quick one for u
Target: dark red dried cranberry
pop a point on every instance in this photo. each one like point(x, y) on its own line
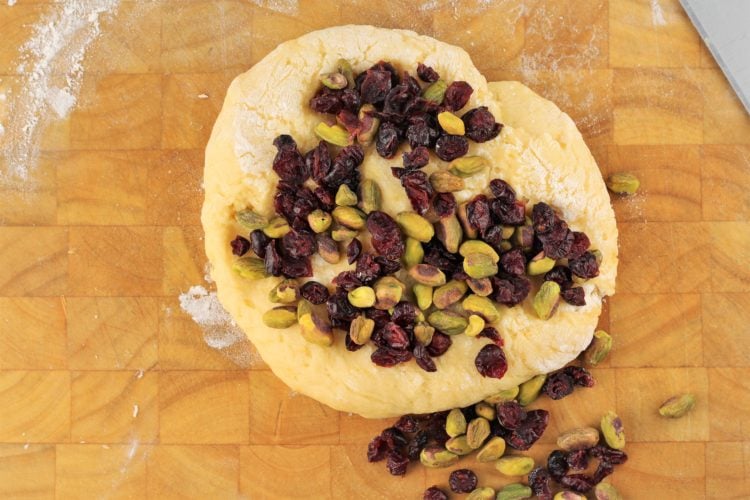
point(434, 493)
point(296, 267)
point(326, 100)
point(326, 198)
point(607, 454)
point(375, 86)
point(437, 255)
point(386, 235)
point(396, 463)
point(314, 292)
point(539, 481)
point(406, 423)
point(340, 309)
point(444, 204)
point(580, 483)
point(240, 246)
point(462, 481)
point(394, 438)
point(557, 243)
point(512, 214)
point(510, 290)
point(580, 244)
point(450, 147)
point(385, 357)
point(344, 169)
point(578, 459)
point(404, 313)
point(416, 158)
point(478, 213)
point(513, 261)
point(367, 270)
point(585, 266)
point(557, 464)
point(272, 259)
point(423, 358)
point(529, 431)
point(386, 141)
point(347, 280)
point(418, 190)
point(395, 337)
point(543, 218)
point(502, 191)
point(426, 73)
point(258, 242)
point(415, 445)
point(558, 385)
point(560, 275)
point(387, 266)
point(349, 120)
point(350, 345)
point(581, 376)
point(575, 296)
point(353, 249)
point(490, 332)
point(350, 100)
point(422, 131)
point(457, 95)
point(603, 470)
point(379, 316)
point(480, 124)
point(298, 243)
point(439, 344)
point(490, 361)
point(493, 236)
point(377, 449)
point(510, 414)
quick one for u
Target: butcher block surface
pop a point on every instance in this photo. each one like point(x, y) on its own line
point(109, 390)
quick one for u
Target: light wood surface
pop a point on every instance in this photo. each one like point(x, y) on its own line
point(95, 251)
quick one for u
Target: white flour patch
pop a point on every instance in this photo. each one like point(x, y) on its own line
point(11, 3)
point(657, 14)
point(288, 7)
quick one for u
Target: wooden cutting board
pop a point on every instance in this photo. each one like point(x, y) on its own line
point(108, 390)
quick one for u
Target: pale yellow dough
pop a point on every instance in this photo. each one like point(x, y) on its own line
point(539, 152)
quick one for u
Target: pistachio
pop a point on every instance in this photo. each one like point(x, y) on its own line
point(546, 299)
point(415, 226)
point(568, 495)
point(502, 396)
point(286, 292)
point(478, 246)
point(360, 329)
point(523, 237)
point(605, 491)
point(505, 245)
point(315, 326)
point(423, 294)
point(276, 228)
point(370, 195)
point(481, 286)
point(448, 322)
point(435, 92)
point(597, 255)
point(369, 124)
point(515, 465)
point(578, 439)
point(250, 220)
point(455, 423)
point(350, 217)
point(492, 450)
point(467, 166)
point(413, 253)
point(341, 233)
point(362, 297)
point(515, 491)
point(423, 333)
point(280, 317)
point(335, 134)
point(345, 196)
point(345, 68)
point(485, 410)
point(427, 275)
point(479, 265)
point(613, 430)
point(250, 267)
point(475, 326)
point(458, 445)
point(474, 304)
point(598, 349)
point(623, 183)
point(451, 124)
point(677, 406)
point(477, 432)
point(319, 220)
point(335, 80)
point(388, 291)
point(434, 457)
point(448, 294)
point(469, 230)
point(485, 493)
point(529, 390)
point(448, 231)
point(539, 264)
point(445, 182)
point(327, 248)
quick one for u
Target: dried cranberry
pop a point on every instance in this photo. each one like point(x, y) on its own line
point(418, 190)
point(272, 259)
point(349, 120)
point(422, 131)
point(367, 270)
point(350, 345)
point(557, 464)
point(426, 73)
point(379, 316)
point(543, 218)
point(581, 376)
point(340, 309)
point(386, 141)
point(326, 198)
point(510, 290)
point(513, 261)
point(584, 266)
point(439, 344)
point(580, 483)
point(457, 95)
point(396, 463)
point(314, 292)
point(387, 266)
point(415, 445)
point(558, 385)
point(480, 124)
point(510, 414)
point(575, 296)
point(386, 235)
point(416, 158)
point(557, 243)
point(444, 204)
point(539, 481)
point(512, 214)
point(326, 100)
point(385, 357)
point(603, 470)
point(502, 191)
point(240, 246)
point(493, 236)
point(478, 213)
point(462, 481)
point(560, 275)
point(405, 313)
point(298, 243)
point(606, 454)
point(296, 267)
point(490, 332)
point(375, 86)
point(350, 100)
point(580, 244)
point(423, 358)
point(578, 459)
point(395, 337)
point(394, 438)
point(377, 449)
point(344, 169)
point(450, 147)
point(347, 280)
point(406, 423)
point(258, 242)
point(437, 255)
point(490, 361)
point(434, 493)
point(529, 431)
point(353, 249)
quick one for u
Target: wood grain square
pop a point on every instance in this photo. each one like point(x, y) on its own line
point(30, 201)
point(93, 471)
point(175, 191)
point(123, 260)
point(725, 120)
point(670, 182)
point(658, 330)
point(657, 33)
point(726, 182)
point(33, 261)
point(730, 252)
point(352, 476)
point(726, 329)
point(191, 104)
point(661, 257)
point(210, 35)
point(657, 106)
point(640, 393)
point(730, 403)
point(184, 258)
point(306, 472)
point(358, 430)
point(105, 188)
point(32, 334)
point(17, 25)
point(199, 472)
point(121, 112)
point(114, 407)
point(663, 470)
point(27, 472)
point(36, 406)
point(279, 416)
point(203, 407)
point(726, 471)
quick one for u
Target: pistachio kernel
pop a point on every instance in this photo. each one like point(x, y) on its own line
point(362, 297)
point(455, 423)
point(481, 287)
point(523, 237)
point(448, 231)
point(479, 265)
point(599, 348)
point(345, 68)
point(477, 432)
point(597, 255)
point(415, 226)
point(448, 322)
point(327, 248)
point(546, 300)
point(451, 124)
point(286, 292)
point(280, 317)
point(370, 196)
point(613, 430)
point(250, 267)
point(475, 304)
point(388, 291)
point(360, 329)
point(458, 445)
point(578, 439)
point(469, 230)
point(475, 326)
point(445, 182)
point(335, 80)
point(515, 465)
point(677, 406)
point(467, 166)
point(315, 327)
point(423, 332)
point(484, 493)
point(492, 450)
point(250, 220)
point(448, 294)
point(623, 183)
point(435, 92)
point(515, 491)
point(434, 457)
point(427, 274)
point(413, 253)
point(334, 134)
point(568, 495)
point(276, 228)
point(341, 233)
point(502, 396)
point(485, 410)
point(478, 246)
point(350, 217)
point(505, 245)
point(423, 294)
point(605, 491)
point(319, 220)
point(539, 264)
point(369, 124)
point(345, 196)
point(529, 390)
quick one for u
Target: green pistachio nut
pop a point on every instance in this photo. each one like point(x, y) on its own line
point(546, 300)
point(613, 430)
point(445, 182)
point(315, 326)
point(492, 450)
point(523, 237)
point(413, 253)
point(479, 265)
point(350, 217)
point(451, 123)
point(502, 396)
point(515, 465)
point(369, 125)
point(455, 423)
point(388, 292)
point(427, 274)
point(475, 326)
point(475, 304)
point(448, 322)
point(515, 491)
point(342, 233)
point(469, 230)
point(335, 80)
point(623, 183)
point(423, 333)
point(423, 294)
point(481, 287)
point(485, 493)
point(319, 220)
point(677, 406)
point(529, 390)
point(435, 92)
point(345, 68)
point(276, 228)
point(250, 267)
point(478, 246)
point(328, 248)
point(458, 445)
point(362, 297)
point(334, 134)
point(568, 495)
point(599, 348)
point(345, 196)
point(485, 410)
point(250, 220)
point(467, 166)
point(477, 432)
point(370, 196)
point(449, 294)
point(539, 264)
point(605, 491)
point(597, 255)
point(578, 439)
point(448, 231)
point(436, 457)
point(280, 317)
point(286, 292)
point(360, 329)
point(415, 226)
